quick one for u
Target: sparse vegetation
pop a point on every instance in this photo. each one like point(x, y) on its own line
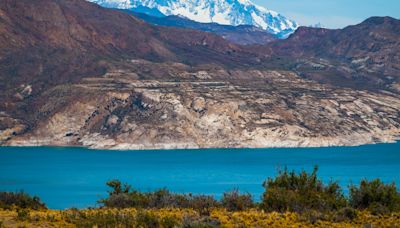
point(376, 196)
point(130, 198)
point(234, 201)
point(290, 199)
point(20, 200)
point(22, 214)
point(301, 192)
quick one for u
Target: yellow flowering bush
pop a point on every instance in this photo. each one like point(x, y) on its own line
point(174, 217)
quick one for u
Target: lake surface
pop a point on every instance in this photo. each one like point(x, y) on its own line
point(75, 177)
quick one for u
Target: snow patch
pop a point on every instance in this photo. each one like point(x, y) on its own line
point(227, 12)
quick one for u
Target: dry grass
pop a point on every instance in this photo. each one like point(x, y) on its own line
point(183, 217)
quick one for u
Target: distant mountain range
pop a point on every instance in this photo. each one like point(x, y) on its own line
point(224, 12)
point(75, 73)
point(241, 34)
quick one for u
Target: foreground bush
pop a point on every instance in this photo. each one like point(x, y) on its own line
point(290, 191)
point(129, 198)
point(290, 200)
point(152, 218)
point(376, 196)
point(20, 200)
point(234, 201)
point(301, 192)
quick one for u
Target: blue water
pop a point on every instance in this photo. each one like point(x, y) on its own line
point(75, 177)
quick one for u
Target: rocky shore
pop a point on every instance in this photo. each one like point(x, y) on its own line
point(252, 109)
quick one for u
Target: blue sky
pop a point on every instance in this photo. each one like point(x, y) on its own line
point(332, 13)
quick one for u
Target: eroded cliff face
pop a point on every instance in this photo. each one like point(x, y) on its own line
point(190, 107)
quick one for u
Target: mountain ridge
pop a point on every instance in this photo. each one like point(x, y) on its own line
point(226, 12)
point(241, 34)
point(367, 53)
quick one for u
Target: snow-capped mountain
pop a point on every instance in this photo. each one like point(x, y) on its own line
point(225, 12)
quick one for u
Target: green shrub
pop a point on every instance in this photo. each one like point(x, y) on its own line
point(129, 198)
point(163, 198)
point(202, 203)
point(200, 222)
point(378, 209)
point(21, 200)
point(234, 201)
point(313, 216)
point(147, 219)
point(345, 214)
point(289, 191)
point(117, 187)
point(294, 192)
point(23, 214)
point(376, 196)
point(99, 219)
point(126, 200)
point(170, 222)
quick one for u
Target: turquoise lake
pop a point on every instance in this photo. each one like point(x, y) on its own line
point(75, 177)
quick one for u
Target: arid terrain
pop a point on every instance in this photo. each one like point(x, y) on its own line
point(75, 74)
point(202, 109)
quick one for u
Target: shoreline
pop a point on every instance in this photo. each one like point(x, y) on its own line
point(169, 148)
point(104, 142)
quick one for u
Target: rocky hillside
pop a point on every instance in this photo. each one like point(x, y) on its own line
point(73, 73)
point(360, 56)
point(48, 42)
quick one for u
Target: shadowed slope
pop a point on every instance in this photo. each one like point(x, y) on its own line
point(53, 41)
point(363, 56)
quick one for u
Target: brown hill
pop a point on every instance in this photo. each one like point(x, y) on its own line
point(363, 56)
point(47, 42)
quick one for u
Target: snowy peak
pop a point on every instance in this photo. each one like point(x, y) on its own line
point(225, 12)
